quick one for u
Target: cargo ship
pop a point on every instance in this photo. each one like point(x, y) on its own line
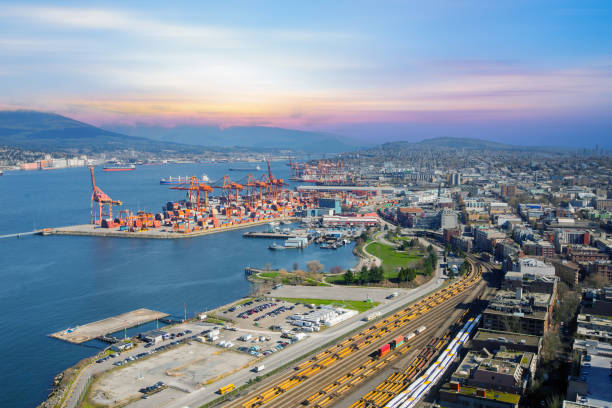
point(183, 180)
point(256, 168)
point(119, 167)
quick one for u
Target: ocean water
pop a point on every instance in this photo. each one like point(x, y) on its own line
point(51, 283)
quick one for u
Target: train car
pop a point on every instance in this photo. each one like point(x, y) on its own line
point(384, 349)
point(398, 341)
point(420, 330)
point(227, 388)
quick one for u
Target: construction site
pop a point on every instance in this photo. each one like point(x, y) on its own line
point(226, 204)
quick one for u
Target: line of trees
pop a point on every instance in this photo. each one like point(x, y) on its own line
point(365, 275)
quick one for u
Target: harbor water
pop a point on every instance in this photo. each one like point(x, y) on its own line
point(52, 283)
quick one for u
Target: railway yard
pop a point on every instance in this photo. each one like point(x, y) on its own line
point(326, 378)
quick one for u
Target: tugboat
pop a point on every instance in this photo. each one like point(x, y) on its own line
point(276, 247)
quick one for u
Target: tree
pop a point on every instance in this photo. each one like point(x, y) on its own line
point(349, 276)
point(363, 275)
point(428, 270)
point(314, 266)
point(551, 344)
point(336, 270)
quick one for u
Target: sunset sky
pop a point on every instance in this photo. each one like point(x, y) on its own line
point(530, 72)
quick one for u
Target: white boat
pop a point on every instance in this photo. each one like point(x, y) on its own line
point(276, 247)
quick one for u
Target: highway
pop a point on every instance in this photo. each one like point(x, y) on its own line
point(350, 359)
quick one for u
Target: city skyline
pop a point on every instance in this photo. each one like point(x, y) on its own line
point(515, 72)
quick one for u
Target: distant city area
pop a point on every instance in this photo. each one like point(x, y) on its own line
point(490, 267)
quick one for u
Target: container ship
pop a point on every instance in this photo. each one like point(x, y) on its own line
point(183, 180)
point(119, 167)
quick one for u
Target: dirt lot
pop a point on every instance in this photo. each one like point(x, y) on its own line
point(185, 368)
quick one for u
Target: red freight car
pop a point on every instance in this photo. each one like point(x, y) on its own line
point(384, 349)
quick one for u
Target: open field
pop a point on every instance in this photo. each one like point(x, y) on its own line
point(392, 259)
point(360, 306)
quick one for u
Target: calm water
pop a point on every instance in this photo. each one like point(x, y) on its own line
point(51, 283)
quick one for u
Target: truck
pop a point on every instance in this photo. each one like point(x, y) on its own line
point(259, 368)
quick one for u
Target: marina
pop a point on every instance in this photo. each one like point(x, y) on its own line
point(89, 331)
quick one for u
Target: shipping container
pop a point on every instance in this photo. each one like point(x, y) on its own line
point(384, 349)
point(398, 341)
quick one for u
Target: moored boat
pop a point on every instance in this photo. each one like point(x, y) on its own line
point(119, 167)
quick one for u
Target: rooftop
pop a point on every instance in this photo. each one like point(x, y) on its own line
point(507, 337)
point(490, 394)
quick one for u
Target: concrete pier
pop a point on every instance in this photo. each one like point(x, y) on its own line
point(81, 334)
point(152, 233)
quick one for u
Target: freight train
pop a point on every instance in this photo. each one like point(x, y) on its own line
point(398, 341)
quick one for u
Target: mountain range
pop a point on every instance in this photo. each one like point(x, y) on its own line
point(42, 131)
point(244, 136)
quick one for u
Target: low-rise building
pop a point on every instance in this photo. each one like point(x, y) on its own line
point(583, 253)
point(483, 379)
point(494, 340)
point(591, 386)
point(518, 312)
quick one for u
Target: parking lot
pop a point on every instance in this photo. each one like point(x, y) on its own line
point(263, 314)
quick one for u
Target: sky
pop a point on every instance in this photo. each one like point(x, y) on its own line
point(532, 72)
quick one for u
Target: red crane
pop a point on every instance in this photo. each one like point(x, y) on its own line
point(105, 203)
point(193, 189)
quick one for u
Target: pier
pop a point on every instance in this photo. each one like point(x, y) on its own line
point(101, 328)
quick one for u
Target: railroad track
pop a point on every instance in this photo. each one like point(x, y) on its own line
point(338, 381)
point(398, 380)
point(354, 351)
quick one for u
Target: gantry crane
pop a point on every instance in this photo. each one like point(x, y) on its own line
point(193, 188)
point(105, 203)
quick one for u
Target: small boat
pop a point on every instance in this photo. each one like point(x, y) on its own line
point(256, 168)
point(276, 247)
point(183, 180)
point(119, 167)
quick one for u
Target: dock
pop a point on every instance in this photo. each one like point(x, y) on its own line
point(101, 328)
point(275, 235)
point(90, 230)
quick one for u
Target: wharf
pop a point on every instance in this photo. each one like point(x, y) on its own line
point(276, 235)
point(153, 233)
point(103, 327)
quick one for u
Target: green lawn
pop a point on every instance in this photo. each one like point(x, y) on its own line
point(391, 258)
point(268, 275)
point(360, 306)
point(335, 279)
